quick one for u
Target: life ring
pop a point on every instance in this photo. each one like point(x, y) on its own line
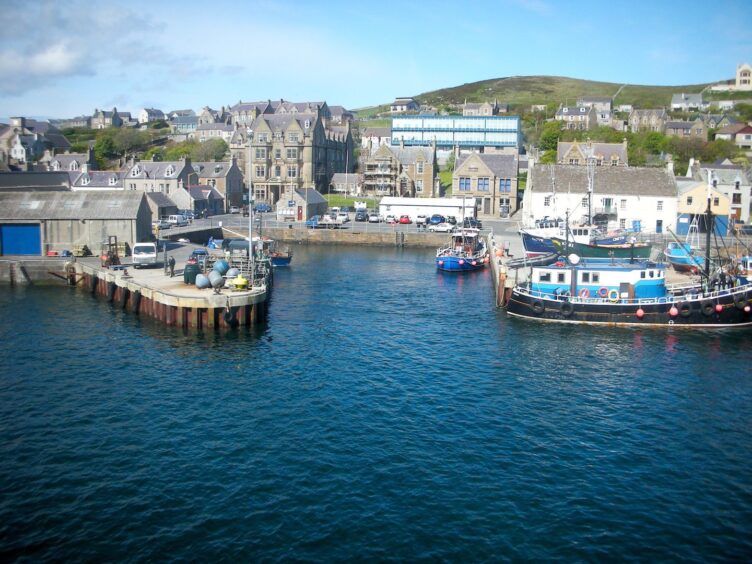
point(566, 309)
point(613, 296)
point(740, 302)
point(602, 292)
point(584, 293)
point(707, 308)
point(538, 307)
point(685, 310)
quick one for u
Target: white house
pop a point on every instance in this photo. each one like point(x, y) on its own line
point(623, 197)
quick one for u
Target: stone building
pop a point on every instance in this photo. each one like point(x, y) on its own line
point(490, 179)
point(226, 177)
point(603, 154)
point(401, 171)
point(648, 120)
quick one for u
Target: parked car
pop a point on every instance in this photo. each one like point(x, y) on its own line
point(361, 216)
point(160, 224)
point(405, 220)
point(442, 228)
point(234, 209)
point(472, 222)
point(421, 220)
point(390, 219)
point(374, 218)
point(343, 216)
point(262, 207)
point(451, 219)
point(187, 214)
point(436, 218)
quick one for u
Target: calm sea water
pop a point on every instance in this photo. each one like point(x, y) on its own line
point(384, 411)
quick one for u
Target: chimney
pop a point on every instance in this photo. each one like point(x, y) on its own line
point(402, 142)
point(670, 164)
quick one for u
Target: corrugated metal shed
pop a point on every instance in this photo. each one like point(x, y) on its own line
point(36, 206)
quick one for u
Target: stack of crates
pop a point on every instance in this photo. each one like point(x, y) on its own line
point(81, 251)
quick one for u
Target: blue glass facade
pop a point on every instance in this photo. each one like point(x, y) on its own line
point(462, 131)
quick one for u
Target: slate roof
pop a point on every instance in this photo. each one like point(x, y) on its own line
point(686, 99)
point(572, 110)
point(215, 126)
point(185, 120)
point(182, 113)
point(725, 175)
point(283, 121)
point(377, 132)
point(409, 155)
point(732, 129)
point(160, 199)
point(310, 196)
point(212, 170)
point(10, 181)
point(110, 204)
point(502, 166)
point(97, 179)
point(593, 148)
point(345, 178)
point(619, 180)
point(155, 169)
point(679, 124)
point(66, 159)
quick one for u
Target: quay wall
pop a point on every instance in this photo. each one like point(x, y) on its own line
point(33, 270)
point(348, 237)
point(208, 311)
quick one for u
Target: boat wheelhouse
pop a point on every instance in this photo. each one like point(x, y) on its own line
point(465, 252)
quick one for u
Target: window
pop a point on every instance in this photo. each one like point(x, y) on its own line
point(464, 184)
point(586, 277)
point(292, 171)
point(736, 199)
point(307, 124)
point(262, 137)
point(715, 201)
point(260, 171)
point(560, 277)
point(483, 184)
point(622, 224)
point(584, 202)
point(293, 137)
point(277, 171)
point(292, 153)
point(623, 204)
point(261, 153)
point(85, 180)
point(113, 180)
point(505, 185)
point(545, 277)
point(419, 167)
point(596, 278)
point(277, 153)
point(278, 135)
point(659, 206)
point(547, 201)
point(689, 200)
point(169, 171)
point(574, 161)
point(419, 186)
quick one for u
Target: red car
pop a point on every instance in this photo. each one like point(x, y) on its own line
point(405, 219)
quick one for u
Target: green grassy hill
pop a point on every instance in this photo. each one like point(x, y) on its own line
point(521, 91)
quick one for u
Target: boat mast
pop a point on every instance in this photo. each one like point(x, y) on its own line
point(590, 182)
point(709, 226)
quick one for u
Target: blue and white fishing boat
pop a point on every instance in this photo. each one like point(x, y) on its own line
point(466, 251)
point(683, 256)
point(540, 240)
point(623, 293)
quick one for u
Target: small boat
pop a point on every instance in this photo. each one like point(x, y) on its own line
point(628, 293)
point(682, 257)
point(603, 251)
point(466, 251)
point(279, 256)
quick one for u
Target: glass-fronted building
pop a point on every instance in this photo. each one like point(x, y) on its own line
point(465, 132)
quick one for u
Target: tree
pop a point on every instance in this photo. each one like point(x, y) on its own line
point(550, 136)
point(450, 162)
point(211, 150)
point(180, 150)
point(744, 111)
point(104, 148)
point(127, 140)
point(548, 157)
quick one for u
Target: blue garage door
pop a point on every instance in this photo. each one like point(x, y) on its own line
point(20, 239)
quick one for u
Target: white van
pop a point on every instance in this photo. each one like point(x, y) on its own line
point(177, 220)
point(145, 254)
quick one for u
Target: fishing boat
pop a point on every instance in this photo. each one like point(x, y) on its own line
point(615, 292)
point(465, 252)
point(279, 256)
point(632, 250)
point(628, 293)
point(539, 240)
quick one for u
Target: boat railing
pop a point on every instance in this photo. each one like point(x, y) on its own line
point(676, 298)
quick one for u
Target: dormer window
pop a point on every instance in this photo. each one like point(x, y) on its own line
point(74, 165)
point(217, 169)
point(307, 124)
point(55, 165)
point(113, 180)
point(85, 180)
point(136, 171)
point(170, 170)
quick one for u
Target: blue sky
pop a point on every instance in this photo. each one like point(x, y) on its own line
point(61, 59)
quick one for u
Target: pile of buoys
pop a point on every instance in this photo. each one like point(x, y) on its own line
point(202, 281)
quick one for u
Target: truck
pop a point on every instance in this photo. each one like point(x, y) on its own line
point(145, 254)
point(325, 221)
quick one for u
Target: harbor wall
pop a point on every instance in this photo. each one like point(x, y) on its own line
point(293, 234)
point(19, 272)
point(211, 311)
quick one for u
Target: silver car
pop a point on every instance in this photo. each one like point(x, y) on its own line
point(442, 228)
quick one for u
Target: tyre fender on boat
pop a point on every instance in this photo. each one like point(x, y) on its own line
point(538, 306)
point(740, 301)
point(707, 308)
point(685, 310)
point(566, 309)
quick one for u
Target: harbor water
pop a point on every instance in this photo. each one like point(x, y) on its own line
point(384, 411)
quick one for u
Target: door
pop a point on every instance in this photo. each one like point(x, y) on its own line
point(300, 213)
point(487, 206)
point(659, 226)
point(20, 239)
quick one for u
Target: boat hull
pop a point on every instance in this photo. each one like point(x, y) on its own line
point(457, 264)
point(735, 310)
point(281, 259)
point(535, 245)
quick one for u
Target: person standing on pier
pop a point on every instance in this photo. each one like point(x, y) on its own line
point(171, 264)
